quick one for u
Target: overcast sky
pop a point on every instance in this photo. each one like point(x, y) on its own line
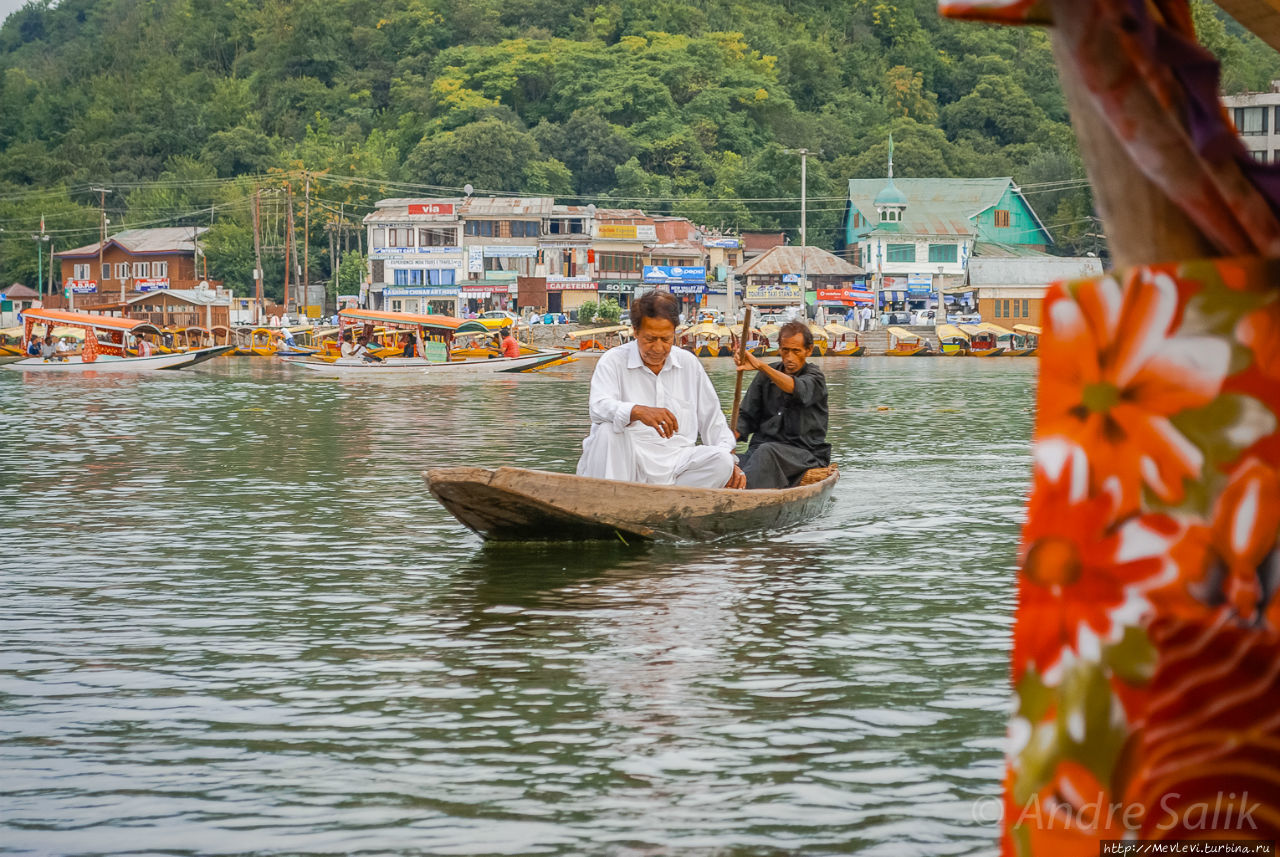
point(7, 6)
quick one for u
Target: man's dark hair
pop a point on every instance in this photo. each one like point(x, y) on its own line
point(506, 331)
point(796, 328)
point(655, 304)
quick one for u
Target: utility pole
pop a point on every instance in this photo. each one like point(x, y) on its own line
point(306, 244)
point(257, 256)
point(288, 241)
point(102, 237)
point(804, 209)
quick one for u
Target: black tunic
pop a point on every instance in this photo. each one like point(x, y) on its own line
point(788, 430)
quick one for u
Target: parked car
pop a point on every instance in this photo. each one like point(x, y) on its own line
point(509, 317)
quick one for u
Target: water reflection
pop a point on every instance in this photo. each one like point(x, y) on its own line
point(237, 623)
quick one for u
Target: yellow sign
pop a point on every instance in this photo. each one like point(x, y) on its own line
point(617, 230)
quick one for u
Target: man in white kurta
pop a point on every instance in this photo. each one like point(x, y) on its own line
point(621, 447)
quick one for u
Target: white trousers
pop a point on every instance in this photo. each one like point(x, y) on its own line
point(629, 456)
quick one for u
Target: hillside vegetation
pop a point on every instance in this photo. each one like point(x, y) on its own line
point(181, 107)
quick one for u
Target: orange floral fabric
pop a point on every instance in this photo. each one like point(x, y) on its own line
point(1146, 655)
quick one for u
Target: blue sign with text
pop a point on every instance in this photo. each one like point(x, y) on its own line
point(675, 274)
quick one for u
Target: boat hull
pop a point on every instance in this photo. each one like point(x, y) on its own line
point(515, 504)
point(914, 351)
point(416, 366)
point(105, 363)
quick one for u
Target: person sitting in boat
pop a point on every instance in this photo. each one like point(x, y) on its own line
point(143, 346)
point(510, 348)
point(348, 348)
point(48, 351)
point(407, 341)
point(63, 348)
point(784, 413)
point(650, 403)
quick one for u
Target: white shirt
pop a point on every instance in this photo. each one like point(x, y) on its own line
point(621, 381)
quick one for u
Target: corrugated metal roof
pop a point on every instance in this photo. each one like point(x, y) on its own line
point(1031, 272)
point(507, 206)
point(166, 239)
point(934, 206)
point(188, 295)
point(815, 261)
point(996, 250)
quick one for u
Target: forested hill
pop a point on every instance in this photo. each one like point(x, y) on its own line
point(683, 107)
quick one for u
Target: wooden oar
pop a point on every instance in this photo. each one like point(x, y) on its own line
point(737, 386)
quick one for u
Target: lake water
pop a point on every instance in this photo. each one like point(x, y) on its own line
point(234, 621)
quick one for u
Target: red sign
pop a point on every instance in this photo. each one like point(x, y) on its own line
point(431, 208)
point(571, 285)
point(846, 295)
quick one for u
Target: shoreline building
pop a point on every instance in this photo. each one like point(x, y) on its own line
point(774, 279)
point(130, 263)
point(416, 259)
point(1256, 116)
point(916, 236)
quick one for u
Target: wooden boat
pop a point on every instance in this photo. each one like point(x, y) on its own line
point(844, 341)
point(821, 342)
point(434, 336)
point(515, 504)
point(1030, 336)
point(952, 341)
point(904, 343)
point(601, 339)
point(11, 342)
point(105, 346)
point(982, 340)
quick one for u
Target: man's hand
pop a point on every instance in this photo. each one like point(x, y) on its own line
point(747, 361)
point(660, 419)
point(738, 479)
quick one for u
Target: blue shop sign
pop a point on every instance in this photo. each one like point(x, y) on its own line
point(419, 292)
point(687, 288)
point(675, 274)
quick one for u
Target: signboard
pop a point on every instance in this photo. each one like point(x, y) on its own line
point(919, 284)
point(627, 232)
point(389, 253)
point(423, 264)
point(475, 259)
point(774, 293)
point(616, 287)
point(82, 287)
point(687, 288)
point(434, 351)
point(730, 243)
point(513, 251)
point(571, 284)
point(420, 292)
point(478, 290)
point(151, 284)
point(846, 295)
point(431, 208)
point(674, 274)
point(790, 278)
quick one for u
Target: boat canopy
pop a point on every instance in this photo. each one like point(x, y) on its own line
point(770, 330)
point(818, 332)
point(599, 331)
point(950, 331)
point(706, 328)
point(974, 329)
point(80, 319)
point(1028, 329)
point(147, 327)
point(989, 327)
point(409, 319)
point(12, 331)
point(903, 333)
point(836, 329)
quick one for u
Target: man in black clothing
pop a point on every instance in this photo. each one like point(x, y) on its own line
point(784, 413)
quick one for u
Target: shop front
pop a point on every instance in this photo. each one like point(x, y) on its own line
point(620, 291)
point(427, 300)
point(908, 299)
point(479, 296)
point(566, 294)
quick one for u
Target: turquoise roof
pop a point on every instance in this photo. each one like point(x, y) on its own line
point(891, 195)
point(951, 207)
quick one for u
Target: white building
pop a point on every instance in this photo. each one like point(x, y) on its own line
point(1257, 119)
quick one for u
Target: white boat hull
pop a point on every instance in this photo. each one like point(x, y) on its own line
point(105, 363)
point(419, 366)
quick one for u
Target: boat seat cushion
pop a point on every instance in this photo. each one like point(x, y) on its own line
point(816, 474)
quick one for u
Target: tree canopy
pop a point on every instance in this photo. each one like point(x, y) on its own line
point(181, 107)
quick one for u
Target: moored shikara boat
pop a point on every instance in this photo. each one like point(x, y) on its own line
point(952, 341)
point(105, 347)
point(904, 343)
point(844, 341)
point(982, 340)
point(1030, 335)
point(515, 504)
